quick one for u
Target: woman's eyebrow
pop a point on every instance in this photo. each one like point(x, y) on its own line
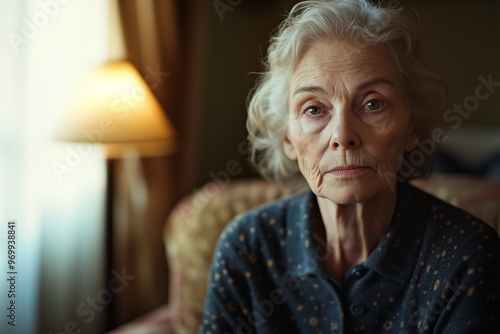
point(315, 89)
point(371, 82)
point(375, 81)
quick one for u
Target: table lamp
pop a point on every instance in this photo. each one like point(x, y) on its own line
point(114, 106)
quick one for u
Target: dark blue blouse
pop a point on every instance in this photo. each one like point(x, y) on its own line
point(436, 270)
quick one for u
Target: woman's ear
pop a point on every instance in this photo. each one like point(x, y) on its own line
point(289, 149)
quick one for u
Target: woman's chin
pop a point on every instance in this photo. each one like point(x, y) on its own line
point(343, 197)
point(346, 193)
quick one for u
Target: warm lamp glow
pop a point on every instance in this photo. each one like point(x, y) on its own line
point(113, 105)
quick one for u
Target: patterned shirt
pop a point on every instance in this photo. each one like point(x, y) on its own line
point(435, 270)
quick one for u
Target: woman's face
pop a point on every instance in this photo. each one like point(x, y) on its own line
point(348, 121)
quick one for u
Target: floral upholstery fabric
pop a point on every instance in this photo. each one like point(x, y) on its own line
point(191, 233)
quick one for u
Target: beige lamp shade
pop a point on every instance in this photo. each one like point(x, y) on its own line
point(114, 106)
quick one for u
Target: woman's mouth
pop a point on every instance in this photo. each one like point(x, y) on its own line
point(348, 171)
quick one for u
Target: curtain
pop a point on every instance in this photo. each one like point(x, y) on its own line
point(46, 47)
point(171, 36)
point(152, 45)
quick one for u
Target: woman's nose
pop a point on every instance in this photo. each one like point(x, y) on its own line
point(345, 135)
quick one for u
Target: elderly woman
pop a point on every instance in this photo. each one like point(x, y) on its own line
point(343, 105)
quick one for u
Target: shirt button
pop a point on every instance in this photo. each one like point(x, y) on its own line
point(358, 272)
point(356, 309)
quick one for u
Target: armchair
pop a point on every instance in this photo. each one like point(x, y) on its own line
point(193, 227)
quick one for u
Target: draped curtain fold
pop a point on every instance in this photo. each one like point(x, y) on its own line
point(152, 38)
point(60, 221)
point(53, 190)
point(170, 38)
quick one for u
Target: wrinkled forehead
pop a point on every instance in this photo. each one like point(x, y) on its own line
point(329, 61)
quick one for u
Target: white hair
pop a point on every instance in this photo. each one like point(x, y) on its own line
point(346, 20)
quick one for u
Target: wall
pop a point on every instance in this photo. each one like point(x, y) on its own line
point(462, 43)
point(237, 41)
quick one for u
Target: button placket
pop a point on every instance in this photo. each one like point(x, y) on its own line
point(358, 272)
point(356, 309)
point(354, 275)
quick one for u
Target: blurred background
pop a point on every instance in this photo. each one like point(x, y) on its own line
point(90, 213)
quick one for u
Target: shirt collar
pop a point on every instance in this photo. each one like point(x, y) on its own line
point(395, 255)
point(302, 246)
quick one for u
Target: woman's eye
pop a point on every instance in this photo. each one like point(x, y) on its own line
point(313, 110)
point(373, 105)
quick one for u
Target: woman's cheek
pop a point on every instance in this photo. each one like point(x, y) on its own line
point(309, 167)
point(311, 126)
point(394, 150)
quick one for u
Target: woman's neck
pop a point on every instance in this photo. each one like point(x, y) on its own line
point(352, 231)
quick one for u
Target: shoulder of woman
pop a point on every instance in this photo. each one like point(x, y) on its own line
point(258, 225)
